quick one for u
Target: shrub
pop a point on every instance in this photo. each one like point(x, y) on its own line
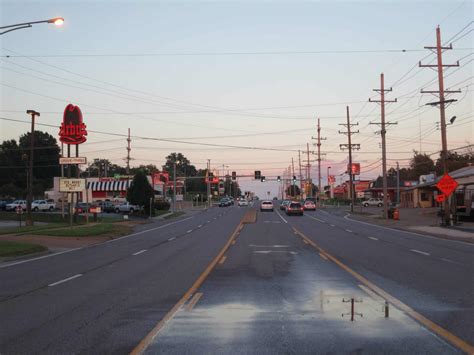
point(162, 205)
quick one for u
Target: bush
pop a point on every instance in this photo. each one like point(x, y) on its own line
point(162, 205)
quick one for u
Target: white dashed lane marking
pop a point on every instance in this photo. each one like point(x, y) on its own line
point(373, 238)
point(419, 252)
point(139, 252)
point(65, 280)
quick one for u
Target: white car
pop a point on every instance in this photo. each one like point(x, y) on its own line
point(243, 203)
point(127, 208)
point(12, 206)
point(266, 205)
point(373, 202)
point(43, 205)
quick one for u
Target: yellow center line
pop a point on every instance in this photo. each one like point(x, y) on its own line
point(233, 242)
point(194, 300)
point(323, 256)
point(447, 335)
point(145, 342)
point(223, 259)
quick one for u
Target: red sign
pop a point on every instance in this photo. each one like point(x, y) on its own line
point(447, 185)
point(440, 198)
point(354, 168)
point(159, 178)
point(72, 130)
point(331, 179)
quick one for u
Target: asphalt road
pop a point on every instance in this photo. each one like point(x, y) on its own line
point(105, 298)
point(272, 292)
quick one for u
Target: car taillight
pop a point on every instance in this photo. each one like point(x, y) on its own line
point(301, 208)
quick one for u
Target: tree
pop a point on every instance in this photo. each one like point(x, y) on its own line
point(183, 165)
point(140, 191)
point(420, 164)
point(148, 169)
point(454, 161)
point(103, 168)
point(293, 190)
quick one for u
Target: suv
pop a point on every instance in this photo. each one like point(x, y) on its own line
point(373, 202)
point(17, 203)
point(43, 205)
point(294, 207)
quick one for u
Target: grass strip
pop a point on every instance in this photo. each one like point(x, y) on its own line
point(9, 248)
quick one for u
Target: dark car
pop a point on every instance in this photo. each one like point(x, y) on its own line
point(294, 208)
point(283, 204)
point(4, 203)
point(82, 207)
point(225, 202)
point(107, 206)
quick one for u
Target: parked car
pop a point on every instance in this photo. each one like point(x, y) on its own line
point(373, 202)
point(266, 205)
point(294, 208)
point(225, 202)
point(127, 207)
point(309, 205)
point(12, 206)
point(43, 205)
point(243, 202)
point(283, 204)
point(83, 207)
point(107, 206)
point(4, 203)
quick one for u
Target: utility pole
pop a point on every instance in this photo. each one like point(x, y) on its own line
point(301, 176)
point(208, 183)
point(383, 132)
point(309, 171)
point(128, 152)
point(174, 186)
point(293, 174)
point(350, 147)
point(398, 184)
point(438, 50)
point(29, 219)
point(319, 139)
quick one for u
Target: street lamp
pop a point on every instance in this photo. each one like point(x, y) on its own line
point(58, 21)
point(331, 194)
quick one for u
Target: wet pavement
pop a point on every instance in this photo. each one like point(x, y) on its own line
point(273, 293)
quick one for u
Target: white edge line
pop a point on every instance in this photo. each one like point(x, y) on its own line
point(407, 232)
point(373, 238)
point(348, 230)
point(140, 252)
point(279, 215)
point(65, 280)
point(171, 239)
point(94, 245)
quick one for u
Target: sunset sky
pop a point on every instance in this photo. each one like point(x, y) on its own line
point(213, 79)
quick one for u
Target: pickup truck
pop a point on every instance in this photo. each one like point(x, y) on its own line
point(43, 205)
point(126, 208)
point(12, 206)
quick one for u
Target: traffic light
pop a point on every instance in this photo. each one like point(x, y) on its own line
point(257, 174)
point(234, 175)
point(278, 178)
point(262, 178)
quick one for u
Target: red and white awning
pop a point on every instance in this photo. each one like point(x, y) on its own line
point(120, 185)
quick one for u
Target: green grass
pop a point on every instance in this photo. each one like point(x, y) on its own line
point(28, 229)
point(53, 217)
point(84, 231)
point(8, 248)
point(174, 215)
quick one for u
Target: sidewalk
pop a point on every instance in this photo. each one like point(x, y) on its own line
point(419, 220)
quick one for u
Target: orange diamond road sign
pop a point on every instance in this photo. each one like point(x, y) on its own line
point(447, 185)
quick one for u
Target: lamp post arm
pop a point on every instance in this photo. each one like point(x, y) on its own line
point(13, 29)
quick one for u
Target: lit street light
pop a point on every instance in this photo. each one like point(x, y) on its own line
point(58, 21)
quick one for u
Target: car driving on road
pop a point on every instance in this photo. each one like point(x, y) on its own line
point(294, 208)
point(243, 202)
point(309, 205)
point(266, 205)
point(283, 204)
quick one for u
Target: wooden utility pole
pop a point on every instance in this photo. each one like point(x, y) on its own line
point(29, 200)
point(438, 50)
point(128, 152)
point(309, 171)
point(350, 147)
point(301, 176)
point(318, 144)
point(383, 132)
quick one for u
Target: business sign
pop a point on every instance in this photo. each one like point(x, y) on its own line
point(72, 160)
point(71, 185)
point(95, 210)
point(354, 168)
point(72, 130)
point(331, 179)
point(447, 185)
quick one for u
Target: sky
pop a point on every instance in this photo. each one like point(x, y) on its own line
point(213, 79)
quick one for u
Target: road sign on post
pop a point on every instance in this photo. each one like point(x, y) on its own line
point(447, 185)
